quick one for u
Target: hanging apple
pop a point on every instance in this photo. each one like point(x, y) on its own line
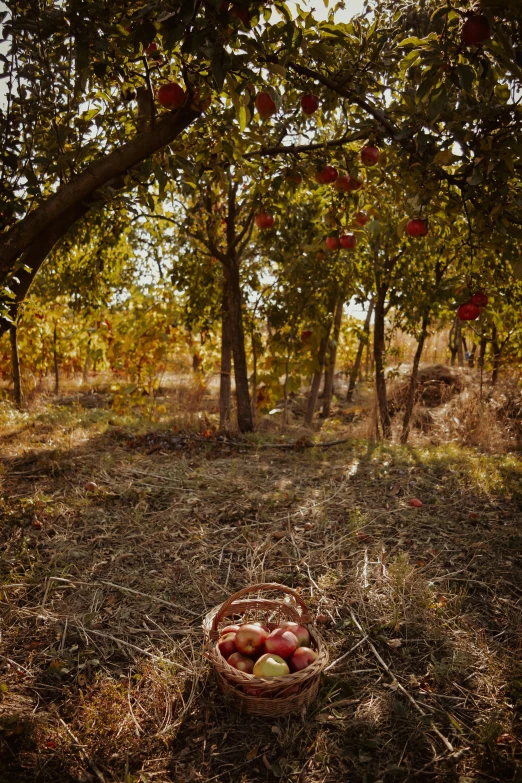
point(327, 175)
point(355, 184)
point(331, 243)
point(151, 48)
point(342, 183)
point(479, 299)
point(475, 30)
point(417, 227)
point(264, 220)
point(370, 155)
point(348, 241)
point(468, 311)
point(361, 218)
point(265, 105)
point(171, 95)
point(240, 13)
point(309, 104)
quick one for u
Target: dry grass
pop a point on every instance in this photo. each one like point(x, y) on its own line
point(101, 671)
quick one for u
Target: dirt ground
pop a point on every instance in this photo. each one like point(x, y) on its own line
point(103, 592)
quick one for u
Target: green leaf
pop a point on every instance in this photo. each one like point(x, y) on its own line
point(466, 76)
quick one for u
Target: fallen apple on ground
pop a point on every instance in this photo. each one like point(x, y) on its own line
point(270, 665)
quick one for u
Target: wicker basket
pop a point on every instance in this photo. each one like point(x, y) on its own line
point(275, 696)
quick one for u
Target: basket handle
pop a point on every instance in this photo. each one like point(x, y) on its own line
point(306, 617)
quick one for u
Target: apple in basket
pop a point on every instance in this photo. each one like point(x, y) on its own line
point(299, 631)
point(302, 658)
point(226, 645)
point(281, 642)
point(229, 629)
point(262, 625)
point(250, 639)
point(270, 666)
point(241, 662)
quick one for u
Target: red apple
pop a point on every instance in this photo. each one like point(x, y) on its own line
point(270, 665)
point(226, 645)
point(417, 227)
point(416, 503)
point(370, 155)
point(327, 175)
point(250, 639)
point(262, 625)
point(309, 103)
point(240, 13)
point(264, 220)
point(479, 299)
point(299, 631)
point(323, 619)
point(348, 241)
point(355, 184)
point(305, 335)
point(281, 642)
point(171, 95)
point(302, 658)
point(475, 30)
point(331, 243)
point(265, 105)
point(252, 691)
point(151, 48)
point(361, 218)
point(468, 311)
point(343, 183)
point(241, 662)
point(90, 486)
point(229, 629)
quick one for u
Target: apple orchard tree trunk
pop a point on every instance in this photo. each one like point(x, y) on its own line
point(55, 359)
point(497, 353)
point(316, 378)
point(330, 370)
point(237, 339)
point(378, 352)
point(363, 340)
point(410, 401)
point(226, 361)
point(15, 360)
point(460, 344)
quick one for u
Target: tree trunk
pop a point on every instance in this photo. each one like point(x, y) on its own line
point(55, 359)
point(87, 365)
point(226, 363)
point(378, 352)
point(363, 340)
point(497, 351)
point(330, 370)
point(17, 380)
point(254, 374)
point(316, 379)
point(237, 335)
point(413, 380)
point(285, 388)
point(460, 346)
point(452, 342)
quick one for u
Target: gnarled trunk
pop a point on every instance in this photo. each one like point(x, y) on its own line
point(330, 370)
point(15, 360)
point(363, 340)
point(237, 338)
point(413, 380)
